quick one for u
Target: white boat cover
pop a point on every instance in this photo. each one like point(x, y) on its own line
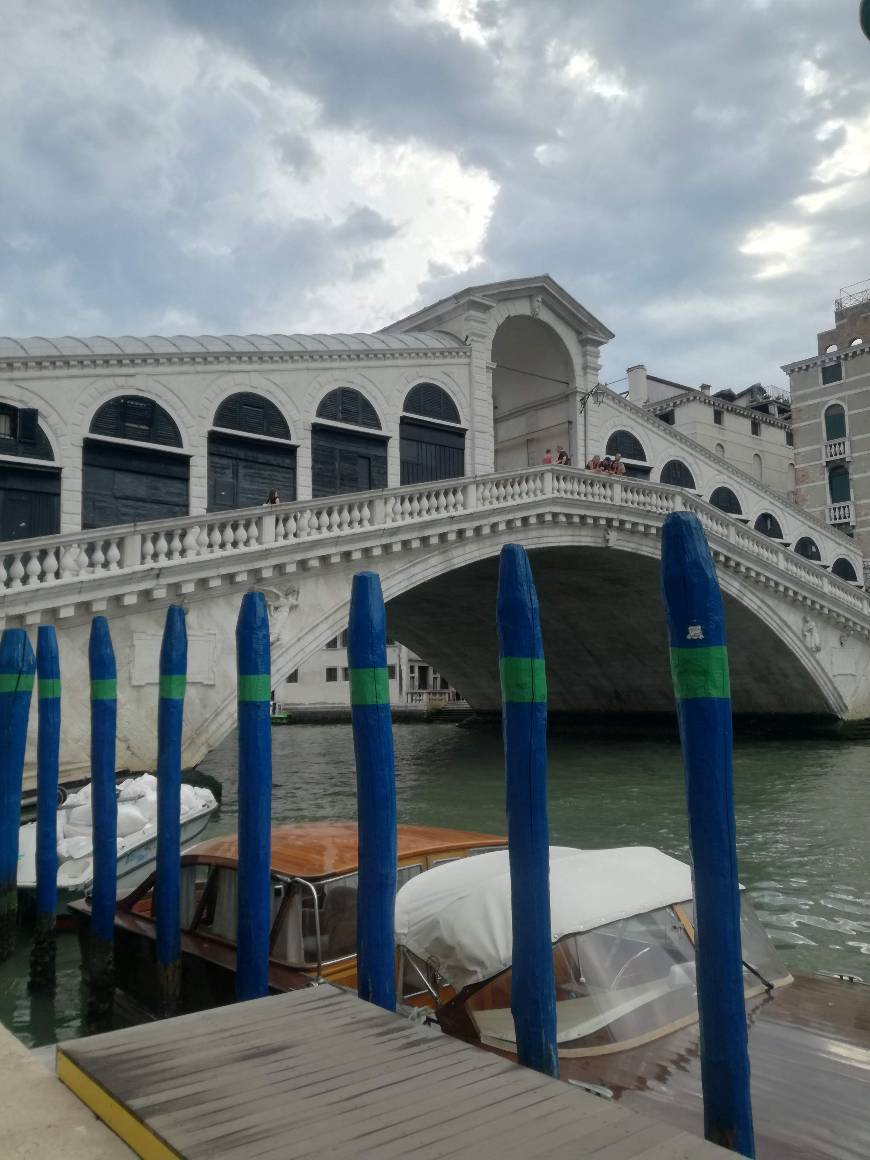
point(137, 827)
point(457, 917)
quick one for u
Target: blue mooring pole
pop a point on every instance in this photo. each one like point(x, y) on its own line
point(254, 665)
point(524, 728)
point(699, 666)
point(17, 664)
point(43, 951)
point(104, 817)
point(170, 714)
point(375, 791)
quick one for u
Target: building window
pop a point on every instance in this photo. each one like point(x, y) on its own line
point(391, 672)
point(768, 525)
point(808, 548)
point(754, 426)
point(293, 679)
point(7, 424)
point(332, 643)
point(726, 501)
point(789, 437)
point(431, 402)
point(838, 482)
point(678, 474)
point(331, 676)
point(347, 405)
point(342, 640)
point(626, 445)
point(667, 417)
point(720, 449)
point(844, 569)
point(758, 468)
point(345, 673)
point(832, 373)
point(835, 422)
point(717, 417)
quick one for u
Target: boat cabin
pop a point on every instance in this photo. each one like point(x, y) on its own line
point(623, 948)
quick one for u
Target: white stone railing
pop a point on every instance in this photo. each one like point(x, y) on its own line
point(67, 564)
point(836, 449)
point(840, 513)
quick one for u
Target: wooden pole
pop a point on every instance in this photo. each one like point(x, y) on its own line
point(17, 664)
point(524, 728)
point(43, 952)
point(376, 791)
point(255, 798)
point(170, 715)
point(104, 818)
point(699, 666)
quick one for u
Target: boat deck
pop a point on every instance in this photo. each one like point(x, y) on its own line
point(320, 1073)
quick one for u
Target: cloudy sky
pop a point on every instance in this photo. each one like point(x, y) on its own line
point(695, 172)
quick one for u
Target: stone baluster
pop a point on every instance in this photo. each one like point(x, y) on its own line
point(365, 515)
point(253, 530)
point(227, 539)
point(4, 575)
point(34, 568)
point(68, 561)
point(49, 566)
point(113, 555)
point(190, 544)
point(161, 547)
point(175, 545)
point(98, 557)
point(241, 536)
point(215, 539)
point(323, 522)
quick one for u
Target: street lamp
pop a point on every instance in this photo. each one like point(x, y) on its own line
point(864, 17)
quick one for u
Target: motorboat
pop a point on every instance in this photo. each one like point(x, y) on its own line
point(314, 898)
point(136, 838)
point(623, 939)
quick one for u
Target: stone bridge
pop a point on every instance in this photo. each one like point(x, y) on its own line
point(798, 635)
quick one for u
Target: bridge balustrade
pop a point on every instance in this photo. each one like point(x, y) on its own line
point(77, 558)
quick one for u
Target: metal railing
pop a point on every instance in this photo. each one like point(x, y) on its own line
point(853, 294)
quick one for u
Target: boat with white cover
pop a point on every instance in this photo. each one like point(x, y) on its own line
point(137, 837)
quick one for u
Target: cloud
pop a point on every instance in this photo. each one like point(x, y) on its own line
point(696, 174)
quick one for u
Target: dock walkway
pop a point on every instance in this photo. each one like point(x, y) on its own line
point(319, 1073)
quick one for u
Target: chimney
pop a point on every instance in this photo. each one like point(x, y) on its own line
point(705, 388)
point(638, 391)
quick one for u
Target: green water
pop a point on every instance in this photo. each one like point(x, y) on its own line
point(802, 815)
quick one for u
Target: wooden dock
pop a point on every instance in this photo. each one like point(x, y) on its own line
point(318, 1073)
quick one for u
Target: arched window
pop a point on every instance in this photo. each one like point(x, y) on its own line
point(431, 402)
point(122, 484)
point(626, 445)
point(253, 415)
point(347, 405)
point(134, 417)
point(830, 349)
point(838, 483)
point(257, 458)
point(768, 525)
point(857, 342)
point(758, 467)
point(344, 460)
point(678, 474)
point(835, 422)
point(808, 548)
point(844, 569)
point(726, 501)
point(29, 492)
point(720, 449)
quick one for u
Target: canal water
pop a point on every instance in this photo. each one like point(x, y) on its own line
point(802, 827)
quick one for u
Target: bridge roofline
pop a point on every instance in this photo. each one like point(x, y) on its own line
point(490, 293)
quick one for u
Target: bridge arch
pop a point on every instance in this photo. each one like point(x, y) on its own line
point(676, 472)
point(250, 453)
point(726, 500)
point(807, 547)
point(348, 444)
point(431, 437)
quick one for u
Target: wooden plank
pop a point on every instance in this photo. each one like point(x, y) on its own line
point(318, 1073)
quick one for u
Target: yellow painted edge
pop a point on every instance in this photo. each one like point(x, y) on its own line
point(113, 1114)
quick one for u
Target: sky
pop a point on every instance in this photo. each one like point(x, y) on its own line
point(695, 172)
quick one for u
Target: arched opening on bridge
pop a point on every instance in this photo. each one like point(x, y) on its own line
point(627, 445)
point(839, 484)
point(835, 422)
point(769, 525)
point(726, 501)
point(675, 472)
point(431, 438)
point(845, 570)
point(249, 454)
point(29, 492)
point(809, 549)
point(532, 386)
point(758, 467)
point(348, 452)
point(134, 469)
point(604, 637)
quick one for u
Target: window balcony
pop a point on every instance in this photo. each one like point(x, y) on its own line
point(841, 513)
point(837, 449)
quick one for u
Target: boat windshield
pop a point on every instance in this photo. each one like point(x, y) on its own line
point(630, 980)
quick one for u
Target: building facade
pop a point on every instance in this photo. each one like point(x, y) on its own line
point(830, 393)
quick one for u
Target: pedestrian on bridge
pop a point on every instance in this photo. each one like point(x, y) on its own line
point(548, 456)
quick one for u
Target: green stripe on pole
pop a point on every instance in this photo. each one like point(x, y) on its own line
point(172, 686)
point(256, 687)
point(49, 688)
point(523, 679)
point(105, 689)
point(369, 687)
point(700, 672)
point(16, 682)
